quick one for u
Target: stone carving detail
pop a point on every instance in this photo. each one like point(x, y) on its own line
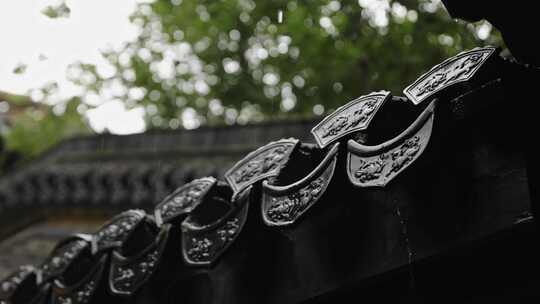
point(10, 284)
point(80, 296)
point(265, 163)
point(123, 277)
point(149, 262)
point(81, 292)
point(61, 258)
point(117, 230)
point(227, 233)
point(378, 170)
point(200, 249)
point(203, 245)
point(287, 208)
point(352, 117)
point(370, 170)
point(454, 70)
point(259, 164)
point(283, 207)
point(127, 276)
point(344, 123)
point(404, 154)
point(183, 200)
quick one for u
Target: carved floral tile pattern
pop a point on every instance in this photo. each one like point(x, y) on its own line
point(126, 278)
point(352, 117)
point(259, 164)
point(285, 208)
point(10, 284)
point(117, 230)
point(454, 70)
point(61, 258)
point(183, 200)
point(204, 246)
point(84, 291)
point(200, 249)
point(80, 296)
point(378, 170)
point(129, 274)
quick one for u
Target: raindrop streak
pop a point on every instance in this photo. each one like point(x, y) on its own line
point(280, 20)
point(404, 231)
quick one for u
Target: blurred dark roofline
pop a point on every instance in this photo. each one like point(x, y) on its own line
point(252, 134)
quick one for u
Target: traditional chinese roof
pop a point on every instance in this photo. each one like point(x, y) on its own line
point(111, 173)
point(444, 202)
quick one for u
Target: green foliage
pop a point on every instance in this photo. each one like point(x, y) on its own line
point(20, 68)
point(231, 61)
point(34, 130)
point(14, 99)
point(57, 11)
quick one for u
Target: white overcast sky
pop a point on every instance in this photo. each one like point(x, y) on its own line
point(48, 46)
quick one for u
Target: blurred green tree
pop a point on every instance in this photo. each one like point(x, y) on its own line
point(232, 61)
point(198, 62)
point(30, 128)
